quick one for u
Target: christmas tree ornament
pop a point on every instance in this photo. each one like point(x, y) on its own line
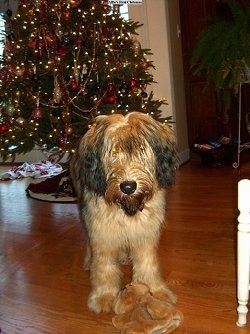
point(74, 85)
point(40, 47)
point(111, 99)
point(37, 113)
point(62, 51)
point(9, 108)
point(124, 88)
point(77, 75)
point(84, 69)
point(66, 14)
point(9, 12)
point(3, 128)
point(111, 88)
point(134, 84)
point(116, 9)
point(136, 46)
point(144, 95)
point(10, 70)
point(75, 3)
point(66, 40)
point(57, 94)
point(144, 63)
point(11, 36)
point(20, 120)
point(32, 43)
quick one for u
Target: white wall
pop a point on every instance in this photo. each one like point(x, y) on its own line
point(161, 33)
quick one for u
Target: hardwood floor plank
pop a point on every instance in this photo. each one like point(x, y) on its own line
point(43, 286)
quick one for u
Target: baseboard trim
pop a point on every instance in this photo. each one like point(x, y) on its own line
point(184, 156)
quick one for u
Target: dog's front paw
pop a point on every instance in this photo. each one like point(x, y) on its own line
point(101, 303)
point(164, 293)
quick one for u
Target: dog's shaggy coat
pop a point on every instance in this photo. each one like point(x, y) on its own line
point(120, 171)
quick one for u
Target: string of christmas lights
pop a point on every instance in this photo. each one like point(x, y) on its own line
point(64, 64)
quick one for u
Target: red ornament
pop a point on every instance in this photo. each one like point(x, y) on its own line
point(10, 70)
point(66, 15)
point(111, 99)
point(144, 64)
point(133, 84)
point(37, 113)
point(3, 128)
point(111, 88)
point(74, 85)
point(40, 47)
point(62, 51)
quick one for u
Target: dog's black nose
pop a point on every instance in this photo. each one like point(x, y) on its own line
point(128, 187)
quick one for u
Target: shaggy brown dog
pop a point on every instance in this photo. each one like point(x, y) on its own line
point(120, 171)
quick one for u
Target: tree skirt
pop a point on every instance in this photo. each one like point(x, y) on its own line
point(58, 188)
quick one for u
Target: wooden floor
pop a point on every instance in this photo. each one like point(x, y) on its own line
point(43, 287)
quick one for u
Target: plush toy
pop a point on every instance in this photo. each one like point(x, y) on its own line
point(139, 312)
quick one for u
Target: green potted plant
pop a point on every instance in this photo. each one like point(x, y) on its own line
point(223, 52)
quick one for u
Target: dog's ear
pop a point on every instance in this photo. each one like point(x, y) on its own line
point(166, 164)
point(166, 157)
point(86, 167)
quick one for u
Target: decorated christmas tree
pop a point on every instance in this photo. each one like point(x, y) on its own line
point(64, 63)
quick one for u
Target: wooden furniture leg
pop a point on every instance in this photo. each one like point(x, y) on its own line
point(243, 256)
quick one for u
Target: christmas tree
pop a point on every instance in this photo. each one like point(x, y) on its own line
point(64, 63)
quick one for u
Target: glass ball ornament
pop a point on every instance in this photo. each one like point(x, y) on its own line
point(144, 64)
point(10, 70)
point(111, 99)
point(75, 3)
point(144, 95)
point(40, 47)
point(3, 128)
point(133, 84)
point(37, 113)
point(66, 40)
point(9, 108)
point(111, 88)
point(124, 88)
point(136, 46)
point(74, 85)
point(66, 14)
point(11, 36)
point(9, 12)
point(20, 120)
point(62, 50)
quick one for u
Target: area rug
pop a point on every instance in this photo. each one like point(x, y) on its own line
point(58, 188)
